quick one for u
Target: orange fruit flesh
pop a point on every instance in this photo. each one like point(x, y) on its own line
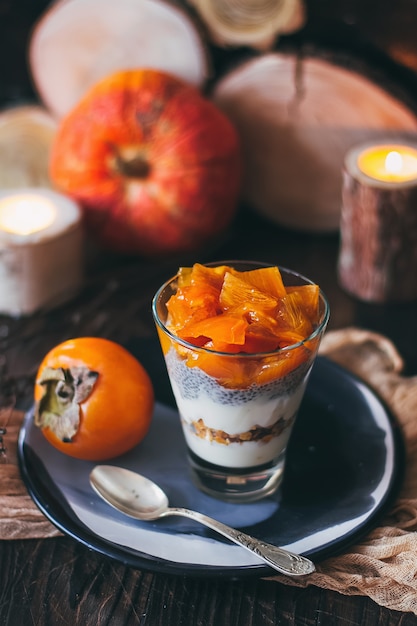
point(250, 312)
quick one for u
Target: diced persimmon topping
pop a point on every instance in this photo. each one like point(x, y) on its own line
point(192, 303)
point(221, 330)
point(238, 292)
point(201, 274)
point(266, 279)
point(250, 312)
point(309, 297)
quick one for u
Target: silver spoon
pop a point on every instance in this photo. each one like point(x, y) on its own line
point(139, 497)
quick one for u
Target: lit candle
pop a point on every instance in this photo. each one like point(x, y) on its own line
point(24, 214)
point(378, 227)
point(390, 163)
point(40, 249)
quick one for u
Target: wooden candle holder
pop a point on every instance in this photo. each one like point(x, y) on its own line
point(378, 230)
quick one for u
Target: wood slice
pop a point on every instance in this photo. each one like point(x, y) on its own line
point(26, 135)
point(297, 118)
point(253, 23)
point(75, 43)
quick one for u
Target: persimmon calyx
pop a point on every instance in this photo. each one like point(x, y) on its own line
point(63, 391)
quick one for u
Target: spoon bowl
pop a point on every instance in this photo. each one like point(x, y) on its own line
point(140, 498)
point(129, 492)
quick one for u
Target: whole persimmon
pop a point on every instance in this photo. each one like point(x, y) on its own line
point(155, 165)
point(93, 399)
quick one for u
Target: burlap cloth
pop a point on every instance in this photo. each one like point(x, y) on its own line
point(384, 565)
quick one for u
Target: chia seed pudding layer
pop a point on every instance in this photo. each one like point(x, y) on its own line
point(192, 381)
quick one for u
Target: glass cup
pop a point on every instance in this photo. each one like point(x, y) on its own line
point(237, 435)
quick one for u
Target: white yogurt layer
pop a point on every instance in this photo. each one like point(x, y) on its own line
point(209, 405)
point(237, 454)
point(262, 410)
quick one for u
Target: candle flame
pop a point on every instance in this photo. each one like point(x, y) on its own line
point(393, 162)
point(26, 214)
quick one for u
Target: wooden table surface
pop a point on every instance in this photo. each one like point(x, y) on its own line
point(58, 581)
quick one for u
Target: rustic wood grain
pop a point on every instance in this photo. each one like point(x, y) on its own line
point(60, 582)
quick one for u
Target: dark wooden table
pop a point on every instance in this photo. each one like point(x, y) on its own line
point(59, 581)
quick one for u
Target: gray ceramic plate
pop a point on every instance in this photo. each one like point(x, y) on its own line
point(345, 463)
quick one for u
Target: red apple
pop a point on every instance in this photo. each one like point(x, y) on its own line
point(155, 165)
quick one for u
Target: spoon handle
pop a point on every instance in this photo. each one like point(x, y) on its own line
point(281, 560)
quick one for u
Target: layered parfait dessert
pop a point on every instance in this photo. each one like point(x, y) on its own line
point(239, 344)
